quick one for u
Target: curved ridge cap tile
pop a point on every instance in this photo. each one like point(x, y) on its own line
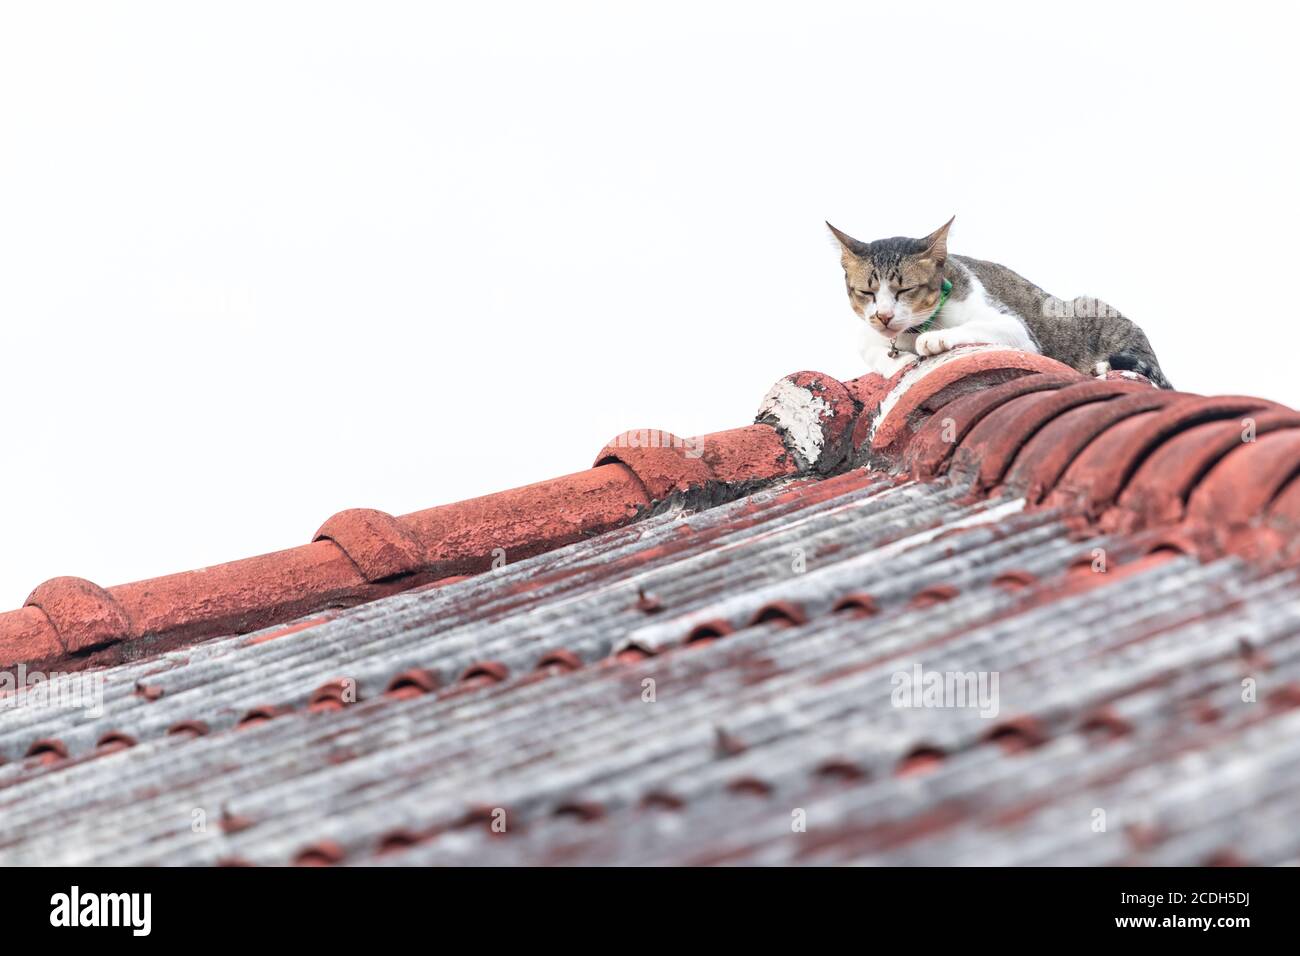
point(664, 463)
point(931, 383)
point(246, 594)
point(927, 453)
point(1097, 474)
point(752, 453)
point(1285, 510)
point(27, 636)
point(1001, 451)
point(83, 614)
point(1100, 473)
point(1045, 456)
point(868, 390)
point(463, 537)
point(376, 542)
point(814, 415)
point(989, 450)
point(1240, 488)
point(1032, 448)
point(1159, 489)
point(1124, 375)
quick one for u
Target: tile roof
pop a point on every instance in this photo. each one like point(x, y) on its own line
point(695, 641)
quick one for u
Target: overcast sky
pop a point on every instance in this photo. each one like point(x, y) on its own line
point(261, 262)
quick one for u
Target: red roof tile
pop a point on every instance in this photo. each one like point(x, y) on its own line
point(407, 730)
point(1117, 452)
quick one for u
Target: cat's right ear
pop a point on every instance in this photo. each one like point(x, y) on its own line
point(850, 245)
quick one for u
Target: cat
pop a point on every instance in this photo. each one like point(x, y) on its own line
point(917, 301)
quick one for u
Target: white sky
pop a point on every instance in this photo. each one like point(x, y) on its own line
point(262, 262)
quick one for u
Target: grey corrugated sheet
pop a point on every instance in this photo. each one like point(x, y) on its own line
point(1126, 689)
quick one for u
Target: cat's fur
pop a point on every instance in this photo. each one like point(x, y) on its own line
point(894, 285)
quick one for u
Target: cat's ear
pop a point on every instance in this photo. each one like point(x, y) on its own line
point(936, 244)
point(850, 245)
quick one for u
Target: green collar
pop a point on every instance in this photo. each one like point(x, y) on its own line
point(943, 297)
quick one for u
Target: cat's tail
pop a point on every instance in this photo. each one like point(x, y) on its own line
point(1145, 365)
point(1117, 342)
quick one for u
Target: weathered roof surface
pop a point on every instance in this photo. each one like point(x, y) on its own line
point(808, 424)
point(720, 682)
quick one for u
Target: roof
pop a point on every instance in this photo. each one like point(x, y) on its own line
point(693, 652)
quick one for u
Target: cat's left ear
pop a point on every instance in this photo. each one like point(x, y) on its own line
point(936, 244)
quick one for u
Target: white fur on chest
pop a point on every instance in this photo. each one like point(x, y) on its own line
point(972, 320)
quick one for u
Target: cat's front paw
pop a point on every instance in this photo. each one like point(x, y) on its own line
point(932, 343)
point(879, 359)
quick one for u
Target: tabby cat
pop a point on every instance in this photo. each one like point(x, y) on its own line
point(917, 300)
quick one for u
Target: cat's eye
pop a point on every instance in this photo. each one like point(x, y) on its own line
point(904, 291)
point(864, 293)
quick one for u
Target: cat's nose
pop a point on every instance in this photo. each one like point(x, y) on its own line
point(884, 314)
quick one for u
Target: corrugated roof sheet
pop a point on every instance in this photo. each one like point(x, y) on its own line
point(719, 681)
point(1118, 690)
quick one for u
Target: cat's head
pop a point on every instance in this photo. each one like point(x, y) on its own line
point(894, 284)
